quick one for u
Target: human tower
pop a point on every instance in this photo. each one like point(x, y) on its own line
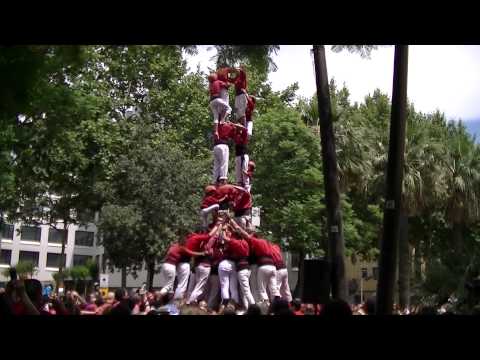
point(215, 265)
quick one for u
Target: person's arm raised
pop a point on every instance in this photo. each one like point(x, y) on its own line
point(30, 309)
point(239, 229)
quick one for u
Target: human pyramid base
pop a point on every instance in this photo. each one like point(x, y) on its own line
point(215, 265)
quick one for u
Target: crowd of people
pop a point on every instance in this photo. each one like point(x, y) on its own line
point(26, 297)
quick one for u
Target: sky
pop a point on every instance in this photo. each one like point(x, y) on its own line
point(444, 77)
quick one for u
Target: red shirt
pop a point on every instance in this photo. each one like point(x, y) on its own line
point(237, 249)
point(242, 201)
point(215, 87)
point(226, 132)
point(240, 197)
point(227, 190)
point(260, 247)
point(277, 257)
point(222, 74)
point(240, 82)
point(175, 254)
point(240, 136)
point(250, 108)
point(209, 200)
point(196, 241)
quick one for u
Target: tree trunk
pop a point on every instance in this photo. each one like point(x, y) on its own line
point(298, 292)
point(396, 152)
point(330, 174)
point(404, 265)
point(124, 277)
point(150, 274)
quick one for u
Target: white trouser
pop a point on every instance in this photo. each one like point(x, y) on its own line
point(249, 128)
point(240, 167)
point(224, 95)
point(244, 284)
point(220, 161)
point(213, 291)
point(282, 284)
point(228, 280)
point(240, 105)
point(204, 213)
point(267, 277)
point(167, 277)
point(191, 285)
point(201, 277)
point(183, 272)
point(248, 187)
point(219, 107)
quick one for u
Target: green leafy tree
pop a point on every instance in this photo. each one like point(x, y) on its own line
point(159, 187)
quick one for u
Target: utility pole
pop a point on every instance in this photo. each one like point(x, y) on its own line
point(336, 248)
point(394, 178)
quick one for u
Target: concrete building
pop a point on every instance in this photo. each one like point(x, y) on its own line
point(42, 246)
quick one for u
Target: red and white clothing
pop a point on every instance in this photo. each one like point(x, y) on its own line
point(240, 198)
point(227, 274)
point(213, 283)
point(250, 170)
point(210, 203)
point(240, 94)
point(222, 75)
point(240, 139)
point(282, 273)
point(239, 251)
point(176, 254)
point(196, 242)
point(219, 100)
point(249, 114)
point(221, 150)
point(267, 272)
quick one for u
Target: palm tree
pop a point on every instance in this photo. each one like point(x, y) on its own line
point(462, 180)
point(258, 56)
point(330, 170)
point(394, 178)
point(420, 189)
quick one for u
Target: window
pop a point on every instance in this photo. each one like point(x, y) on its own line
point(31, 233)
point(80, 259)
point(5, 257)
point(7, 232)
point(55, 236)
point(53, 260)
point(83, 238)
point(375, 273)
point(29, 256)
